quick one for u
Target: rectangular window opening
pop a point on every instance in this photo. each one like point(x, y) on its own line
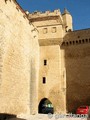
point(44, 80)
point(45, 30)
point(45, 62)
point(54, 29)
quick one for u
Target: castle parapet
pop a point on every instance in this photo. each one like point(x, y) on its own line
point(44, 15)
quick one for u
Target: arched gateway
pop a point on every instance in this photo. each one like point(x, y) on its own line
point(45, 106)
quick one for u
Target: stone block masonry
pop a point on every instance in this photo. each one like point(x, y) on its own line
point(42, 58)
point(18, 48)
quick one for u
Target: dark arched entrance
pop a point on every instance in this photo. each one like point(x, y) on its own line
point(45, 106)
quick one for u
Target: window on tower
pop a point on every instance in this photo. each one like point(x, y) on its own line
point(45, 30)
point(45, 62)
point(54, 29)
point(44, 80)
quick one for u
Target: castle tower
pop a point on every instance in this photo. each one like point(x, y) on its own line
point(52, 78)
point(67, 19)
point(49, 25)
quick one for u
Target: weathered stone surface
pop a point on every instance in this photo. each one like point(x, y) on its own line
point(19, 49)
point(23, 48)
point(68, 55)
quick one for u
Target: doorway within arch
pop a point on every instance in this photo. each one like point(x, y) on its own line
point(45, 106)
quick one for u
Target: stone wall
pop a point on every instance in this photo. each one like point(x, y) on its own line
point(19, 54)
point(51, 32)
point(77, 63)
point(54, 88)
point(21, 75)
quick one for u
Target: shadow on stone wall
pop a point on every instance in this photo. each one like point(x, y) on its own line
point(77, 64)
point(5, 116)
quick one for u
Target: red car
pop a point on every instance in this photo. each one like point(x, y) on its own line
point(83, 110)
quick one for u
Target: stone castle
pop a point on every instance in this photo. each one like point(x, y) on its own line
point(42, 59)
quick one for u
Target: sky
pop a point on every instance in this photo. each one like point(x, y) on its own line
point(79, 9)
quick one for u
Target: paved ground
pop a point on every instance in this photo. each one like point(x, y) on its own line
point(48, 117)
point(54, 117)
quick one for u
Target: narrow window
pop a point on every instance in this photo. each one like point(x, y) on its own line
point(73, 42)
point(70, 42)
point(44, 80)
point(54, 29)
point(86, 40)
point(67, 43)
point(45, 30)
point(80, 41)
point(45, 62)
point(76, 41)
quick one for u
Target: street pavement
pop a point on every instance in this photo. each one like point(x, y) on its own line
point(49, 117)
point(54, 117)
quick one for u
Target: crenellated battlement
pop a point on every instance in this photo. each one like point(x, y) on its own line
point(43, 62)
point(65, 19)
point(56, 14)
point(43, 14)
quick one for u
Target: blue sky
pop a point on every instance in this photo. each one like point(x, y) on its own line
point(79, 9)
